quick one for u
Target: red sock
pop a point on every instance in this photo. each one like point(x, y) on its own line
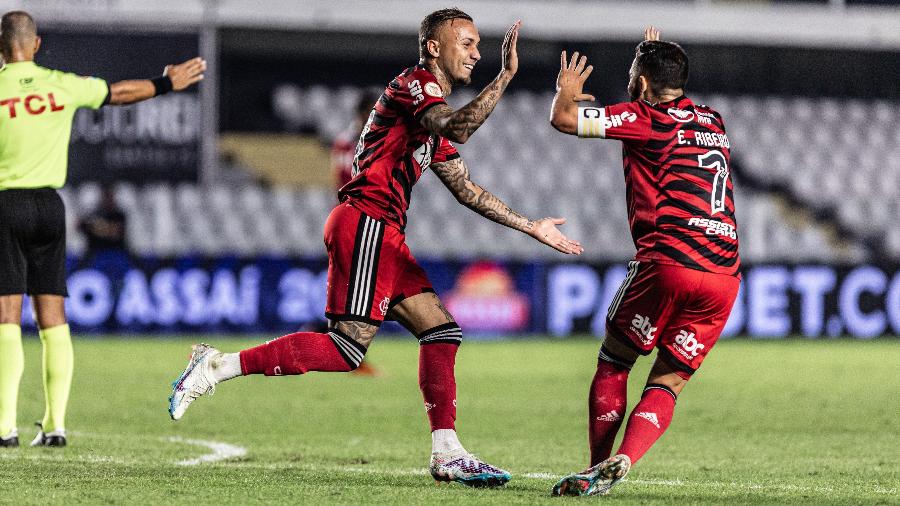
point(648, 421)
point(294, 354)
point(438, 384)
point(606, 408)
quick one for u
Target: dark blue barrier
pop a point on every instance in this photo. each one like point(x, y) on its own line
point(115, 293)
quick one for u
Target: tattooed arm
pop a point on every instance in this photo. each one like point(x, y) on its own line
point(455, 176)
point(459, 125)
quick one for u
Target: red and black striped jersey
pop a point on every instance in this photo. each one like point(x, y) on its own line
point(677, 180)
point(394, 149)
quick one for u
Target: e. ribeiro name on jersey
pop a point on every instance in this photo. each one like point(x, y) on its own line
point(394, 149)
point(679, 191)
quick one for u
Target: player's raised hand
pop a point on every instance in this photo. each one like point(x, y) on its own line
point(509, 53)
point(651, 33)
point(546, 232)
point(186, 74)
point(572, 76)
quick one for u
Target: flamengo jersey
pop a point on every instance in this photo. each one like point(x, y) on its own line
point(37, 106)
point(679, 193)
point(394, 148)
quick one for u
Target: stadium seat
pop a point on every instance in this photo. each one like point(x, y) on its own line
point(853, 169)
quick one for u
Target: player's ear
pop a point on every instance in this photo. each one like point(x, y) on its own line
point(37, 44)
point(644, 85)
point(433, 47)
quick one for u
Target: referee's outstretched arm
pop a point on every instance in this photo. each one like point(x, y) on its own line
point(174, 78)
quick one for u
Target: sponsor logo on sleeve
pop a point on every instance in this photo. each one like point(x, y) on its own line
point(617, 120)
point(415, 89)
point(433, 89)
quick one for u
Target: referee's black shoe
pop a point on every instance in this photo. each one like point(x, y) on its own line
point(56, 438)
point(11, 440)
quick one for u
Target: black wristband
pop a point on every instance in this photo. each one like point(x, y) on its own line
point(162, 85)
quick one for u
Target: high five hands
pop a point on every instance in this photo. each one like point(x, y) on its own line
point(546, 232)
point(509, 54)
point(572, 75)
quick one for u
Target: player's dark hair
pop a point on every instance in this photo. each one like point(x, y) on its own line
point(16, 27)
point(432, 22)
point(664, 64)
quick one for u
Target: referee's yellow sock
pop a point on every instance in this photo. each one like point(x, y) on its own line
point(12, 363)
point(58, 364)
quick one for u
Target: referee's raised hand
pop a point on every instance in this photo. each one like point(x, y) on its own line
point(185, 74)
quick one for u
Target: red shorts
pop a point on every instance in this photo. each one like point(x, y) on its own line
point(679, 310)
point(370, 268)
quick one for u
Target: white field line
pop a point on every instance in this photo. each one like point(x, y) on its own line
point(551, 476)
point(220, 451)
point(224, 451)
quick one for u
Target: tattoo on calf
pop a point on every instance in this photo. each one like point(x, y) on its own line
point(362, 333)
point(446, 313)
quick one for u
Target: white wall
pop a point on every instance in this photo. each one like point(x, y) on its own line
point(688, 21)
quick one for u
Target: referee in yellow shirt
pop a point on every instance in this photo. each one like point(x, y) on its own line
point(37, 106)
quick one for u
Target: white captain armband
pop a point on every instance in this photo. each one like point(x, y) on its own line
point(591, 122)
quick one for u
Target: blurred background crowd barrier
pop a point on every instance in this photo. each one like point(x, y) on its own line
point(225, 189)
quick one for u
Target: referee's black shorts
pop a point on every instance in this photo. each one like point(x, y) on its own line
point(32, 242)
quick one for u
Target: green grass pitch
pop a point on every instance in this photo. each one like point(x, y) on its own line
point(763, 422)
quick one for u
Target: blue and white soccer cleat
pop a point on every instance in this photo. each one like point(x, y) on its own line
point(594, 481)
point(467, 469)
point(196, 380)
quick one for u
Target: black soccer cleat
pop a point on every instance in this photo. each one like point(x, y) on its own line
point(56, 439)
point(10, 441)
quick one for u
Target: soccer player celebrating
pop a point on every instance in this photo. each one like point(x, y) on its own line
point(371, 273)
point(37, 106)
point(683, 281)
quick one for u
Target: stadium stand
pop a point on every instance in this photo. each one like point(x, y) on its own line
point(829, 203)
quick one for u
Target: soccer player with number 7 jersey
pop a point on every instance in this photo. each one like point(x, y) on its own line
point(681, 286)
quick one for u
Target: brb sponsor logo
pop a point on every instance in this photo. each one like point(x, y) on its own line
point(680, 115)
point(487, 300)
point(713, 227)
point(644, 328)
point(32, 104)
point(687, 344)
point(415, 89)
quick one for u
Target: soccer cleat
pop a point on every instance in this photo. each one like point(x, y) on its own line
point(10, 440)
point(596, 480)
point(56, 438)
point(467, 469)
point(196, 380)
